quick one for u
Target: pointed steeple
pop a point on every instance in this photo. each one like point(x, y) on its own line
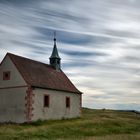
point(55, 59)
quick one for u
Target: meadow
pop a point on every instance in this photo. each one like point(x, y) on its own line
point(92, 125)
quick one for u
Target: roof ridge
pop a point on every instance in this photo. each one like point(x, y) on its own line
point(28, 59)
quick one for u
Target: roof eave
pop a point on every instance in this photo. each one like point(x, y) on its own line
point(78, 92)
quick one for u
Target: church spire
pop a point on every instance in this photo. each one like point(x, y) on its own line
point(55, 59)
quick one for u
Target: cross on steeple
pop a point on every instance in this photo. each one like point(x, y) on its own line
point(54, 34)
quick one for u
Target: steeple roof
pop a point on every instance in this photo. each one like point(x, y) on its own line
point(55, 51)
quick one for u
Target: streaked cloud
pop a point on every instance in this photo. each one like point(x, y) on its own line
point(98, 42)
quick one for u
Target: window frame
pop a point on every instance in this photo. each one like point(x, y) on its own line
point(6, 75)
point(46, 101)
point(68, 102)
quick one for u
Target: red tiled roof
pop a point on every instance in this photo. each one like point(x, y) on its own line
point(42, 75)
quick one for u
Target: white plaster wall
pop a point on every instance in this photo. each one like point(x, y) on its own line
point(12, 105)
point(15, 80)
point(12, 100)
point(57, 108)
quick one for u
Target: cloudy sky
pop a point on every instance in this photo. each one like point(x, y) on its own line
point(98, 42)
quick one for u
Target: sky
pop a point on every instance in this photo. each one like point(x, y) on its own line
point(98, 42)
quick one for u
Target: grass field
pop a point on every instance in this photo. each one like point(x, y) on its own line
point(93, 124)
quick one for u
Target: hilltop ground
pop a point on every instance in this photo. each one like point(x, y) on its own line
point(93, 124)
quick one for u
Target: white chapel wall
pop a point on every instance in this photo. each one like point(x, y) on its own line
point(57, 107)
point(15, 79)
point(12, 96)
point(12, 105)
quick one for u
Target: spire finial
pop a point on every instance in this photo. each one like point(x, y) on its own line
point(54, 37)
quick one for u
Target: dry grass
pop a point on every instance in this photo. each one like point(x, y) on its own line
point(117, 137)
point(94, 124)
